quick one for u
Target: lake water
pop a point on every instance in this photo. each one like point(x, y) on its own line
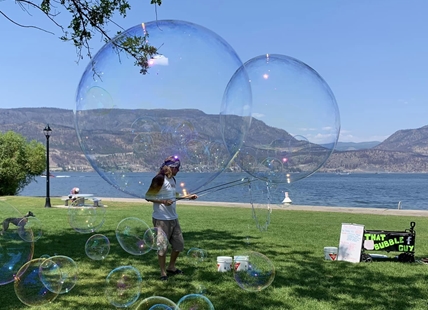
point(321, 189)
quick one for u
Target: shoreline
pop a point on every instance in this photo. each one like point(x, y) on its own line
point(378, 211)
point(291, 207)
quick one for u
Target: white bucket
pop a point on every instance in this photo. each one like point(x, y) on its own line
point(330, 253)
point(224, 263)
point(241, 263)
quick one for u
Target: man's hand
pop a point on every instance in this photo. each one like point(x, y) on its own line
point(168, 202)
point(191, 196)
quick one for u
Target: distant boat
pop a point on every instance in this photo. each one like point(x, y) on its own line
point(343, 173)
point(50, 174)
point(62, 176)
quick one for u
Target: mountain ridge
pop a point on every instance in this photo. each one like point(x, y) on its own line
point(404, 151)
point(353, 146)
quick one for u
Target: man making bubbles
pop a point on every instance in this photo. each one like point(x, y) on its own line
point(163, 194)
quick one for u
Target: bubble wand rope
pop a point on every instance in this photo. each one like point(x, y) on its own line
point(218, 187)
point(269, 210)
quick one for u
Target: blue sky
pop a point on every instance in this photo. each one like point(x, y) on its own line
point(372, 54)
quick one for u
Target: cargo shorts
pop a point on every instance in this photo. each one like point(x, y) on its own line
point(173, 233)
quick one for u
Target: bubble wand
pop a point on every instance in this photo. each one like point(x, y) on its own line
point(219, 187)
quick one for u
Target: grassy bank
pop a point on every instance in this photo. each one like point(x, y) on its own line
point(294, 242)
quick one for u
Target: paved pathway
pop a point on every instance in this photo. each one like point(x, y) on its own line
point(289, 207)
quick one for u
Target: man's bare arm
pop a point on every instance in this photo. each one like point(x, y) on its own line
point(155, 186)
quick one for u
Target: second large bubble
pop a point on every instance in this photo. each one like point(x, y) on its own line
point(296, 101)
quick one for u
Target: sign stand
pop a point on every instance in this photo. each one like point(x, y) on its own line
point(350, 243)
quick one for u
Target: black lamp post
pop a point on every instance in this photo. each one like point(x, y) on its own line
point(47, 131)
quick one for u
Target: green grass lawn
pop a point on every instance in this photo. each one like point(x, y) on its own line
point(294, 242)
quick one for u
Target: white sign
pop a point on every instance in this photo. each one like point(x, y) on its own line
point(350, 243)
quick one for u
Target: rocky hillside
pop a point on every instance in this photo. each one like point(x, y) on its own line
point(404, 151)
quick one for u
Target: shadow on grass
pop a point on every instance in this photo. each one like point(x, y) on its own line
point(301, 277)
point(351, 286)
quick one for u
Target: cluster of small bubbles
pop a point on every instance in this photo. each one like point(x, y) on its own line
point(156, 238)
point(130, 235)
point(86, 219)
point(29, 287)
point(67, 268)
point(156, 302)
point(159, 113)
point(196, 255)
point(123, 286)
point(97, 247)
point(195, 301)
point(258, 274)
point(292, 97)
point(14, 251)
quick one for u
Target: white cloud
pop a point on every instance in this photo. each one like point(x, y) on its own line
point(257, 115)
point(307, 129)
point(401, 101)
point(322, 138)
point(160, 60)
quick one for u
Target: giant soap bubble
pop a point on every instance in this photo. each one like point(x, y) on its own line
point(14, 250)
point(297, 103)
point(128, 122)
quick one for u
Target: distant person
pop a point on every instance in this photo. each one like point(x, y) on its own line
point(162, 192)
point(73, 194)
point(74, 191)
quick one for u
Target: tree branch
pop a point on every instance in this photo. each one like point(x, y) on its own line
point(89, 18)
point(24, 26)
point(48, 15)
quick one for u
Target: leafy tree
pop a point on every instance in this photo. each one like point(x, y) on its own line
point(20, 162)
point(89, 17)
